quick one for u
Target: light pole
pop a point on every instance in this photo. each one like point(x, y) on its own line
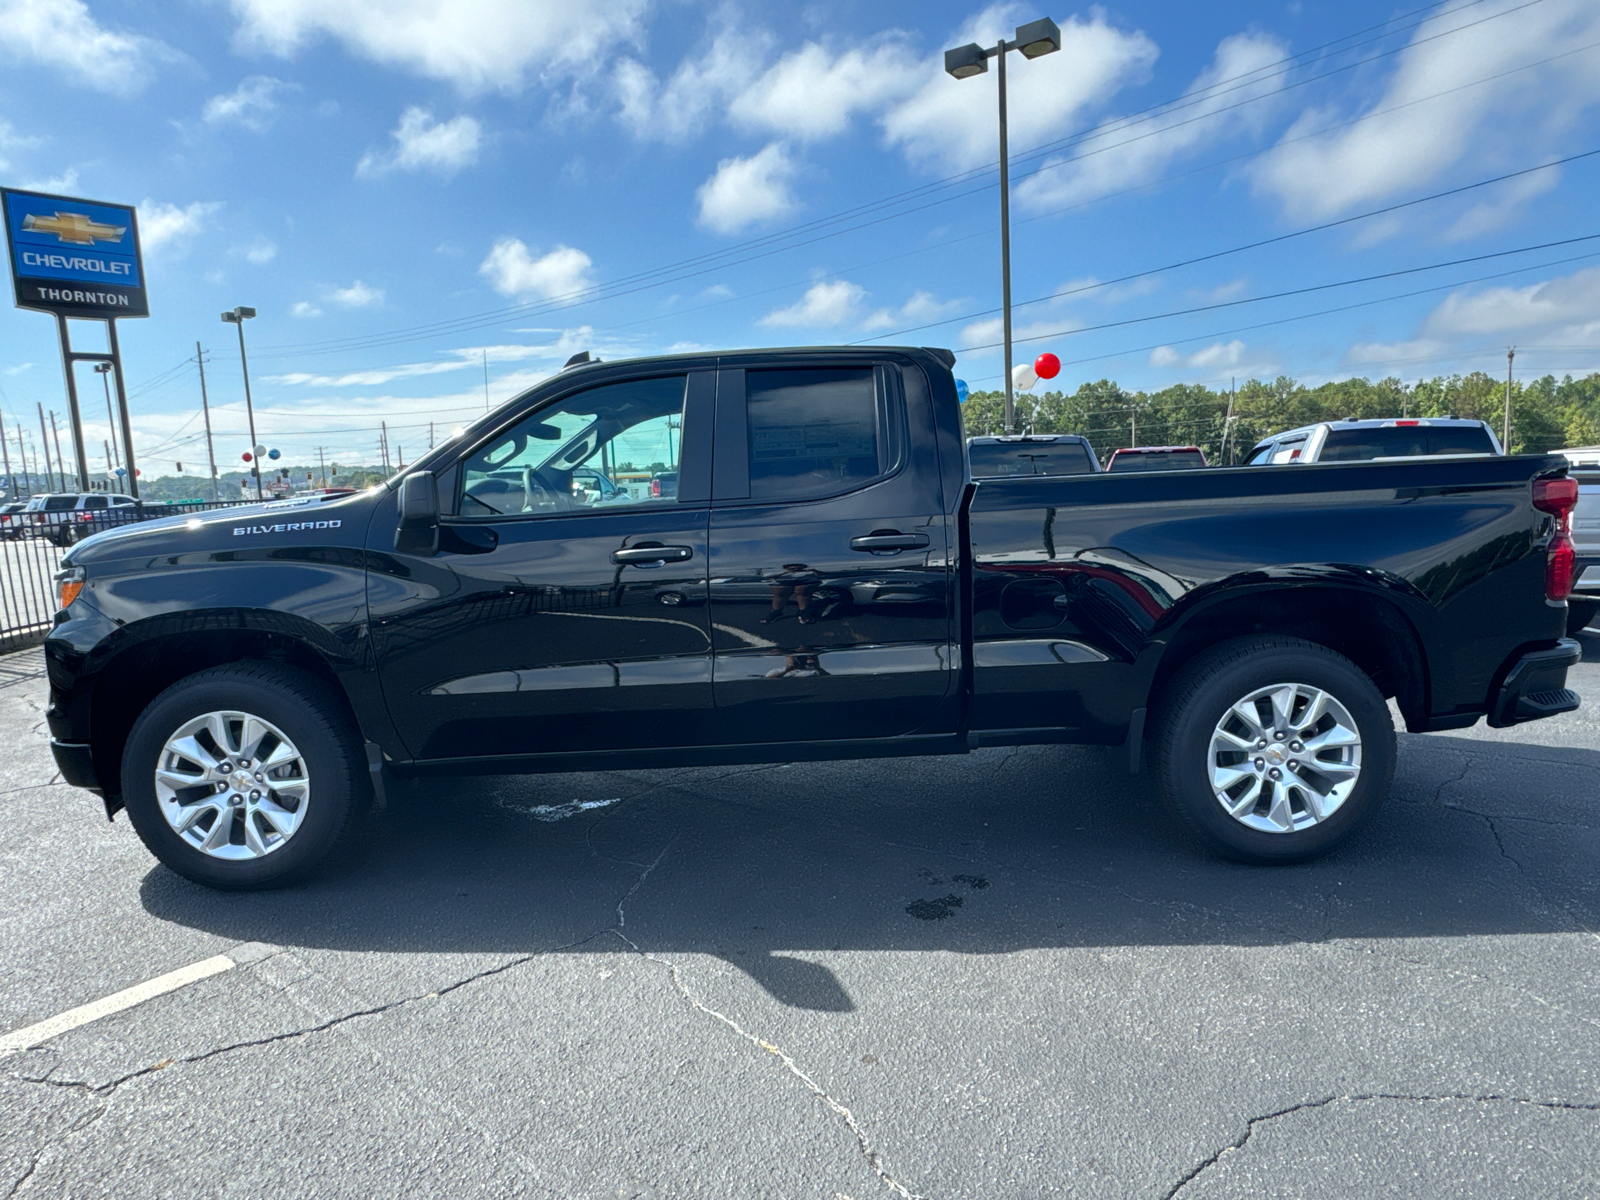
point(1035, 39)
point(103, 370)
point(238, 317)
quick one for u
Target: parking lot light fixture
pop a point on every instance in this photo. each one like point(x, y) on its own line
point(237, 317)
point(1035, 39)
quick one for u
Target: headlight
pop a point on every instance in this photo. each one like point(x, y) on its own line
point(69, 582)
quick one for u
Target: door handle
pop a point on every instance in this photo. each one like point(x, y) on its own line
point(652, 554)
point(889, 539)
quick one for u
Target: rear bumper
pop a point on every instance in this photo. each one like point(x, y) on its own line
point(76, 764)
point(1536, 686)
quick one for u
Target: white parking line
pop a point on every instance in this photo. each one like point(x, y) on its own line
point(73, 1018)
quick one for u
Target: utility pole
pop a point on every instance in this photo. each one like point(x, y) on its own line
point(56, 435)
point(205, 408)
point(22, 452)
point(383, 443)
point(485, 379)
point(1227, 422)
point(107, 445)
point(322, 462)
point(1505, 436)
point(5, 451)
point(44, 438)
point(430, 435)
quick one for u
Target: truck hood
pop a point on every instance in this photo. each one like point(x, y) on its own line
point(188, 530)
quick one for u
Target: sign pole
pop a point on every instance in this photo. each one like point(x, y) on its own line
point(122, 407)
point(68, 365)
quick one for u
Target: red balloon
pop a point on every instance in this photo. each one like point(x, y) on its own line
point(1048, 366)
point(248, 456)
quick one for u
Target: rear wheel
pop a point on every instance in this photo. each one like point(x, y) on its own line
point(242, 777)
point(1274, 749)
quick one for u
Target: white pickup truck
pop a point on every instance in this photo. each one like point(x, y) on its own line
point(1584, 604)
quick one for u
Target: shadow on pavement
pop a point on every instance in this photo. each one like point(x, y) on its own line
point(998, 852)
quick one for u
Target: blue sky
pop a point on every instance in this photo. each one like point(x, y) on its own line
point(409, 188)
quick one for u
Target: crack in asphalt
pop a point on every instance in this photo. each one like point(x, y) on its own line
point(873, 1158)
point(1251, 1123)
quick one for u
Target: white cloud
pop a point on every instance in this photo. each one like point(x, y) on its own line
point(703, 82)
point(10, 140)
point(161, 225)
point(950, 123)
point(922, 309)
point(1029, 339)
point(1568, 306)
point(251, 104)
point(1122, 155)
point(304, 309)
point(67, 181)
point(357, 295)
point(1422, 349)
point(466, 356)
point(1511, 120)
point(473, 44)
point(424, 144)
point(814, 92)
point(748, 191)
point(258, 253)
point(513, 271)
point(825, 305)
point(1218, 354)
point(1505, 203)
point(64, 34)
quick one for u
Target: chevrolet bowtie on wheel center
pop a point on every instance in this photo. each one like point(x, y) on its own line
point(782, 556)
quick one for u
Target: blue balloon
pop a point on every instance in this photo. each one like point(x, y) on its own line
point(961, 390)
point(272, 454)
point(122, 470)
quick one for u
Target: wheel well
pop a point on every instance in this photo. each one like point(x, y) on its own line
point(141, 673)
point(1368, 630)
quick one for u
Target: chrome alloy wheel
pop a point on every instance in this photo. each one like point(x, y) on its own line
point(232, 785)
point(1284, 758)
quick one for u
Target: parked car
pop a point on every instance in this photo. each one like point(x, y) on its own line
point(1366, 440)
point(1584, 605)
point(664, 485)
point(12, 524)
point(1157, 458)
point(65, 517)
point(243, 681)
point(993, 456)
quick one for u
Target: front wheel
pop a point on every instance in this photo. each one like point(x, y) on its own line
point(242, 777)
point(1274, 749)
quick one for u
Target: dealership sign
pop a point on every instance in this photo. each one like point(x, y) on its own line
point(79, 258)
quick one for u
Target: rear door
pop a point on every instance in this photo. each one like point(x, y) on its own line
point(831, 576)
point(553, 618)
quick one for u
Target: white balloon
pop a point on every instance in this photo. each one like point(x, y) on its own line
point(1024, 376)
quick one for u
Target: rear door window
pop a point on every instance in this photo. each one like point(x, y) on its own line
point(995, 459)
point(1288, 451)
point(60, 504)
point(96, 502)
point(815, 432)
point(1354, 445)
point(1459, 439)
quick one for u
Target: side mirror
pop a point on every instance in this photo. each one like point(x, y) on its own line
point(418, 528)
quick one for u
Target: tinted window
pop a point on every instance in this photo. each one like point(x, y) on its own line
point(60, 503)
point(96, 502)
point(1177, 460)
point(592, 451)
point(1354, 445)
point(990, 459)
point(812, 432)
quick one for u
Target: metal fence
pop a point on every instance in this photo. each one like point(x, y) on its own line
point(32, 546)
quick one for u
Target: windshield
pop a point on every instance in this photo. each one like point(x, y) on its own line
point(1404, 441)
point(994, 459)
point(1156, 460)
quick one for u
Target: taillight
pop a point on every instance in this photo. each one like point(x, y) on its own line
point(655, 488)
point(1558, 497)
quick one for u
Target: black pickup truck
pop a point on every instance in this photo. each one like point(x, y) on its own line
point(825, 581)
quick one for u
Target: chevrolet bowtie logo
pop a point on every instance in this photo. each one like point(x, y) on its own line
point(74, 228)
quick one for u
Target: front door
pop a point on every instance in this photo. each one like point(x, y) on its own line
point(830, 572)
point(565, 609)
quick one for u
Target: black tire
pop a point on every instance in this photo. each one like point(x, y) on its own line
point(1201, 694)
point(1580, 614)
point(297, 703)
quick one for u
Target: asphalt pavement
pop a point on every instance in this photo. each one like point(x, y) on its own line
point(1002, 975)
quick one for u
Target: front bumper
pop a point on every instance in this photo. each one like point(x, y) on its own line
point(76, 763)
point(1536, 686)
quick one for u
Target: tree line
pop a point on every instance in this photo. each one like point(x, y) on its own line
point(1546, 414)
